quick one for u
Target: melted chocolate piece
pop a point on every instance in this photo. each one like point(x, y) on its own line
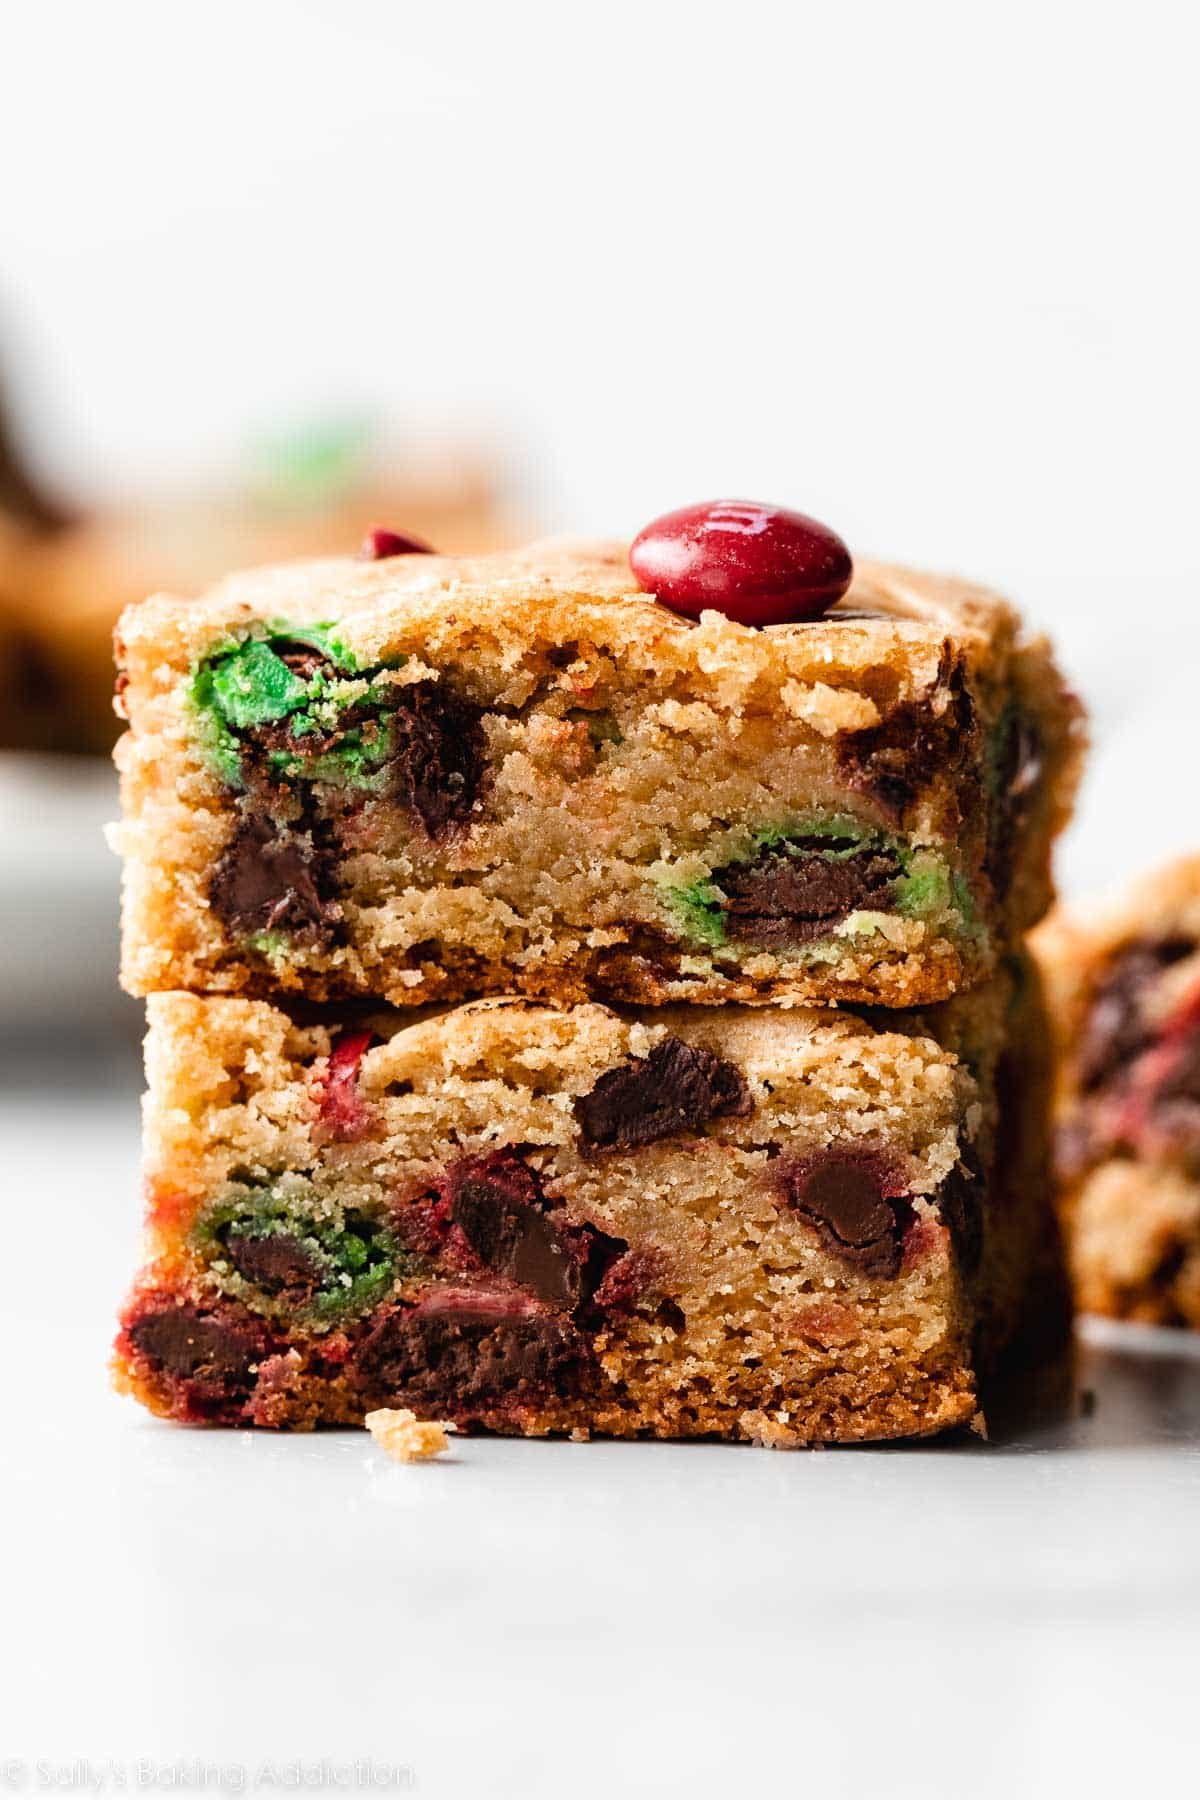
point(498, 1204)
point(434, 765)
point(269, 879)
point(437, 763)
point(448, 1358)
point(844, 1196)
point(1114, 1031)
point(192, 1345)
point(900, 756)
point(278, 1263)
point(791, 897)
point(677, 1088)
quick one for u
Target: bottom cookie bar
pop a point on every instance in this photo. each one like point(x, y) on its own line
point(1125, 986)
point(787, 1227)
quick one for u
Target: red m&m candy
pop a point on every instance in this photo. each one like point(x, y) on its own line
point(380, 543)
point(760, 565)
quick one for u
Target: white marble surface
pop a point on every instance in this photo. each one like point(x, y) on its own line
point(560, 1620)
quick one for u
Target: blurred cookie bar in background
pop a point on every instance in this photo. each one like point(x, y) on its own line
point(1124, 988)
point(66, 572)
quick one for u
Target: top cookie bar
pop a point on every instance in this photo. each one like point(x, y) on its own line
point(436, 778)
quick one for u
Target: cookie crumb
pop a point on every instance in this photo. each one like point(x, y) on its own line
point(770, 1432)
point(407, 1438)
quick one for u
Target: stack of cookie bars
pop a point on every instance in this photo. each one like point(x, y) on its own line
point(569, 1016)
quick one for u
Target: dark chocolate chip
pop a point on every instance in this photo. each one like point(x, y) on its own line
point(427, 740)
point(495, 1204)
point(278, 1263)
point(437, 762)
point(272, 879)
point(677, 1088)
point(898, 758)
point(793, 896)
point(843, 1195)
point(498, 1204)
point(193, 1345)
point(463, 1356)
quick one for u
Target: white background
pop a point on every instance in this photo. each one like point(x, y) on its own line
point(927, 271)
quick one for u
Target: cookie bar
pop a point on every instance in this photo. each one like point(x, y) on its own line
point(429, 778)
point(785, 1227)
point(1125, 991)
point(67, 572)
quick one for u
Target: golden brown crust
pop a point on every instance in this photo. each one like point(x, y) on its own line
point(893, 1399)
point(559, 588)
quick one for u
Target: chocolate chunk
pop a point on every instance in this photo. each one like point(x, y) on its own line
point(426, 740)
point(959, 1201)
point(495, 1202)
point(462, 1356)
point(437, 762)
point(1114, 1030)
point(677, 1088)
point(303, 660)
point(851, 1200)
point(197, 1346)
point(498, 1204)
point(278, 1263)
point(271, 879)
point(792, 896)
point(898, 758)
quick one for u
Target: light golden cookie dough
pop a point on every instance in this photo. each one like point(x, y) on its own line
point(783, 1227)
point(1124, 983)
point(430, 778)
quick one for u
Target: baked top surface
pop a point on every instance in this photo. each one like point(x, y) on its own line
point(562, 584)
